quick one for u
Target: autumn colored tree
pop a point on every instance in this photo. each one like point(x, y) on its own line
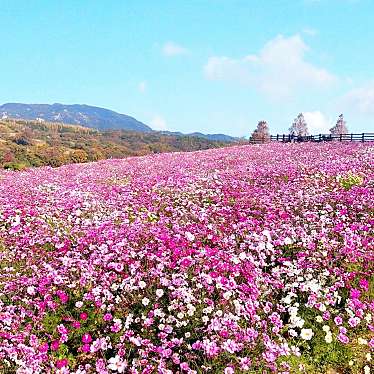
point(340, 127)
point(79, 156)
point(261, 133)
point(299, 126)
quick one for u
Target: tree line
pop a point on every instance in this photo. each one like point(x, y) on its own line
point(299, 128)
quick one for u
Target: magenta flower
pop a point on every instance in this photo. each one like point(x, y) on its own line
point(85, 348)
point(64, 298)
point(43, 348)
point(107, 317)
point(86, 338)
point(83, 316)
point(55, 345)
point(355, 293)
point(62, 363)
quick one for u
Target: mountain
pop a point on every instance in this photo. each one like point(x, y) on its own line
point(85, 115)
point(212, 137)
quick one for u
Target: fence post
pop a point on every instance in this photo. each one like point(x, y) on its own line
point(283, 138)
point(277, 137)
point(319, 137)
point(363, 137)
point(340, 137)
point(351, 137)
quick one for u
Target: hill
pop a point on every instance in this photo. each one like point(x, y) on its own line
point(25, 143)
point(90, 116)
point(86, 115)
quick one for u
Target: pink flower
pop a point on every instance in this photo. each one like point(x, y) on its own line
point(338, 320)
point(353, 321)
point(55, 345)
point(43, 348)
point(83, 316)
point(85, 348)
point(86, 338)
point(364, 284)
point(107, 317)
point(76, 324)
point(343, 338)
point(355, 293)
point(62, 329)
point(184, 366)
point(62, 363)
point(64, 298)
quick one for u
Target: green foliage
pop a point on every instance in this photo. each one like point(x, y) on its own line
point(30, 143)
point(350, 180)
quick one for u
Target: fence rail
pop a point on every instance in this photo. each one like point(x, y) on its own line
point(288, 138)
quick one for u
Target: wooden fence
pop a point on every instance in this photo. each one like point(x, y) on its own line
point(362, 137)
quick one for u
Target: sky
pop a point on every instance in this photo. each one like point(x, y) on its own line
point(215, 66)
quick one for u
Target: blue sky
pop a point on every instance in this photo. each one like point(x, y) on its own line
point(196, 65)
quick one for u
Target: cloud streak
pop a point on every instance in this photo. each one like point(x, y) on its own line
point(171, 49)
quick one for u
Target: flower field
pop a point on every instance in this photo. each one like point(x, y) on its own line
point(251, 259)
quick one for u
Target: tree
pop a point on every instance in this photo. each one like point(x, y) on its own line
point(340, 127)
point(299, 126)
point(261, 133)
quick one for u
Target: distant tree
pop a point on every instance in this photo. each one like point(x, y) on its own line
point(8, 157)
point(261, 133)
point(340, 127)
point(299, 126)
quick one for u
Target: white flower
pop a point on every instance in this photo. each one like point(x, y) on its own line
point(227, 295)
point(326, 328)
point(299, 322)
point(319, 319)
point(322, 307)
point(292, 332)
point(116, 364)
point(328, 337)
point(159, 292)
point(31, 290)
point(367, 369)
point(287, 241)
point(368, 357)
point(145, 301)
point(362, 341)
point(180, 315)
point(142, 284)
point(306, 334)
point(190, 237)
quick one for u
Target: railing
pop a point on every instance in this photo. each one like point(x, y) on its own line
point(288, 138)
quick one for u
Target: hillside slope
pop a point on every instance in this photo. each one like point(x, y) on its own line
point(30, 143)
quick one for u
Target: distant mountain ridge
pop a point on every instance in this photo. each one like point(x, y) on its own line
point(90, 116)
point(85, 115)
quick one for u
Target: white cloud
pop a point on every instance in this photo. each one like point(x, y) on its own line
point(158, 123)
point(360, 100)
point(173, 49)
point(317, 122)
point(310, 31)
point(278, 70)
point(142, 86)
